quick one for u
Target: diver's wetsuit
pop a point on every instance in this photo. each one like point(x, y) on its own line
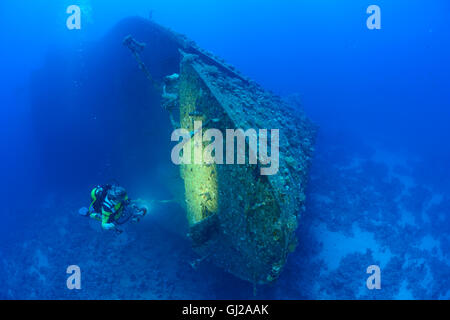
point(104, 209)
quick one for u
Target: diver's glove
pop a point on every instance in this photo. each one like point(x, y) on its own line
point(95, 215)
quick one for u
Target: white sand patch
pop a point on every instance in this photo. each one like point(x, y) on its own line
point(336, 246)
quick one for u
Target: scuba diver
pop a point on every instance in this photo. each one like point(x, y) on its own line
point(111, 206)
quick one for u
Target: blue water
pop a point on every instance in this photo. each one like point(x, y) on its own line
point(73, 108)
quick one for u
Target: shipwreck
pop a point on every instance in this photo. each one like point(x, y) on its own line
point(238, 219)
